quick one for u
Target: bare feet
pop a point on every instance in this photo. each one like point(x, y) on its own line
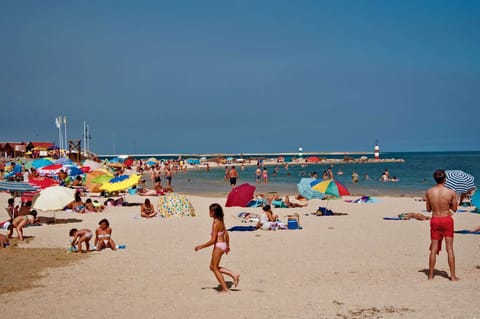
point(454, 278)
point(236, 280)
point(430, 277)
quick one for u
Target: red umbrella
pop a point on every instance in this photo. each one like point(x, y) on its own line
point(240, 195)
point(42, 182)
point(85, 169)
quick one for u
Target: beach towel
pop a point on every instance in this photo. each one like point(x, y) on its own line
point(362, 200)
point(255, 203)
point(392, 218)
point(465, 231)
point(248, 217)
point(242, 228)
point(279, 204)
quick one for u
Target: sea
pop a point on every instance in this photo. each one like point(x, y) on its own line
point(414, 175)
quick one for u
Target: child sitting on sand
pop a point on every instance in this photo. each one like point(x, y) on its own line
point(103, 236)
point(79, 237)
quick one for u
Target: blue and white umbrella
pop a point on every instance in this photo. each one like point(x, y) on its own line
point(459, 181)
point(17, 187)
point(305, 189)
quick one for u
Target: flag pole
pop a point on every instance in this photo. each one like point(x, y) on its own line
point(65, 131)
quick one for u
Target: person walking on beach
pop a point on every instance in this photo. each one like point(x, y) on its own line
point(221, 244)
point(441, 201)
point(168, 176)
point(258, 174)
point(233, 174)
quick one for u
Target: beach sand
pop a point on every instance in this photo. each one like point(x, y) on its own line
point(354, 266)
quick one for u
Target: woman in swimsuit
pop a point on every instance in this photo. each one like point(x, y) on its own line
point(21, 221)
point(79, 237)
point(220, 241)
point(77, 205)
point(103, 236)
point(147, 210)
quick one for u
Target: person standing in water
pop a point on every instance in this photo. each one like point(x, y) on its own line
point(441, 201)
point(221, 244)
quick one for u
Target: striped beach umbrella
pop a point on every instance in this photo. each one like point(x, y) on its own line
point(17, 187)
point(459, 181)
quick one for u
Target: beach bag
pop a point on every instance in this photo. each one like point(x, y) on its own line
point(323, 211)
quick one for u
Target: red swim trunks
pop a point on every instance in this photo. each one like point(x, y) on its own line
point(441, 227)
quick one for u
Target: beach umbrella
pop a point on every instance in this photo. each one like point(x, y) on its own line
point(72, 170)
point(50, 169)
point(131, 181)
point(117, 179)
point(92, 164)
point(305, 189)
point(17, 187)
point(41, 162)
point(459, 181)
point(240, 195)
point(54, 198)
point(173, 204)
point(330, 187)
point(100, 179)
point(64, 161)
point(42, 182)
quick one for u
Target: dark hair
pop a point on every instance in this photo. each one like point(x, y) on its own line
point(78, 198)
point(89, 200)
point(29, 203)
point(439, 176)
point(33, 213)
point(217, 210)
point(147, 201)
point(78, 178)
point(73, 231)
point(233, 167)
point(266, 208)
point(104, 221)
point(11, 201)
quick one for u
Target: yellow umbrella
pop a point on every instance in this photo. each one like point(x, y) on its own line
point(95, 187)
point(132, 180)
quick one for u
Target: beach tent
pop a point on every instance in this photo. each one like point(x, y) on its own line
point(240, 195)
point(173, 204)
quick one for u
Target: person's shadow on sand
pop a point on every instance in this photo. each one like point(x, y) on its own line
point(219, 288)
point(436, 273)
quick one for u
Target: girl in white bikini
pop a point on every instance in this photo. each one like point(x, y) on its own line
point(103, 236)
point(81, 236)
point(221, 244)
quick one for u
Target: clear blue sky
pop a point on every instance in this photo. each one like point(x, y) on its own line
point(243, 76)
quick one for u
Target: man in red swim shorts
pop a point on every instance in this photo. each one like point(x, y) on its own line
point(441, 201)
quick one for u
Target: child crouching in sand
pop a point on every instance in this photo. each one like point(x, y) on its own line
point(79, 237)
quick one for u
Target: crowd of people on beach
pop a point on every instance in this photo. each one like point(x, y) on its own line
point(440, 201)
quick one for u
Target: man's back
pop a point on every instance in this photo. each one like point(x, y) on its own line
point(440, 200)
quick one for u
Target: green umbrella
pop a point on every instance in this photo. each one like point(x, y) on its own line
point(102, 179)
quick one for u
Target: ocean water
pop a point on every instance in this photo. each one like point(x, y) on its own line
point(415, 175)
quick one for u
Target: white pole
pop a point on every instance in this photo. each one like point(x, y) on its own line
point(65, 128)
point(88, 140)
point(84, 138)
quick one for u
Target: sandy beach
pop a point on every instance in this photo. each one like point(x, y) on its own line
point(354, 266)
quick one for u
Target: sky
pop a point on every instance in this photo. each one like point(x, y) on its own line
point(243, 76)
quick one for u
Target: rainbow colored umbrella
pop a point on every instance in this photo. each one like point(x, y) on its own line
point(330, 187)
